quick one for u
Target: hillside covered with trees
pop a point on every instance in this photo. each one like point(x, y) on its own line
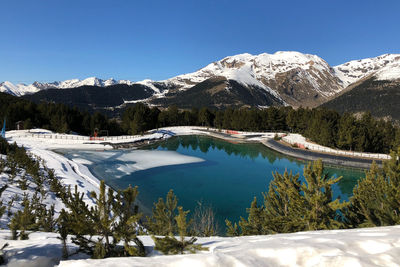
point(321, 125)
point(381, 98)
point(55, 117)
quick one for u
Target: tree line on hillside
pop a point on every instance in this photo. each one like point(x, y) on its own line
point(56, 117)
point(323, 126)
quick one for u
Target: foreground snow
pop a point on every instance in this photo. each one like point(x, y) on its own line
point(359, 247)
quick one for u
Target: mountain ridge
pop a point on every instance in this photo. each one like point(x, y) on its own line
point(287, 77)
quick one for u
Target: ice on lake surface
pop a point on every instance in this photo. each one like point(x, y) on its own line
point(129, 161)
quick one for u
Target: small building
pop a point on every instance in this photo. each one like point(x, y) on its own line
point(19, 125)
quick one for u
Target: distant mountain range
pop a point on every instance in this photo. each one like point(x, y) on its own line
point(283, 78)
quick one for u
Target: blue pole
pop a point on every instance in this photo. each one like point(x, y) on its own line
point(3, 131)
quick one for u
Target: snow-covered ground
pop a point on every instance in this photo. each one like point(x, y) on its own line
point(358, 247)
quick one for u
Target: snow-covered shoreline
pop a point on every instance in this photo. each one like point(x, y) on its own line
point(44, 143)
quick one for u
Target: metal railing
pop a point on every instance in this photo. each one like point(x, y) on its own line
point(79, 137)
point(336, 151)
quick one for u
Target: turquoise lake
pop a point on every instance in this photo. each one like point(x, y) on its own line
point(228, 178)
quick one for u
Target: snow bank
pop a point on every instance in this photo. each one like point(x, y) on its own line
point(359, 247)
point(378, 246)
point(302, 141)
point(40, 250)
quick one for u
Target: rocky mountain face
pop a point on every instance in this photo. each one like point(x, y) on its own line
point(282, 78)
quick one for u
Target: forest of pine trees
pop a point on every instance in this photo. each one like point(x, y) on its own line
point(56, 117)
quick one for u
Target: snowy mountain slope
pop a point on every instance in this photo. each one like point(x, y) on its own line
point(274, 73)
point(256, 69)
point(391, 72)
point(219, 92)
point(355, 70)
point(18, 89)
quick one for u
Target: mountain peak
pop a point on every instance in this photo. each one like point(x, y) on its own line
point(293, 74)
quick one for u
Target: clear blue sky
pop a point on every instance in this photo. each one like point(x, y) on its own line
point(49, 40)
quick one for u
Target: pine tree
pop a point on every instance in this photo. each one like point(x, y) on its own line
point(232, 229)
point(45, 218)
point(128, 224)
point(114, 218)
point(23, 182)
point(80, 219)
point(103, 220)
point(63, 230)
point(24, 220)
point(162, 221)
point(376, 198)
point(170, 245)
point(254, 224)
point(321, 210)
point(284, 205)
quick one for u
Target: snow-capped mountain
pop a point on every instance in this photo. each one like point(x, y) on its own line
point(18, 89)
point(289, 77)
point(257, 69)
point(355, 70)
point(375, 87)
point(23, 89)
